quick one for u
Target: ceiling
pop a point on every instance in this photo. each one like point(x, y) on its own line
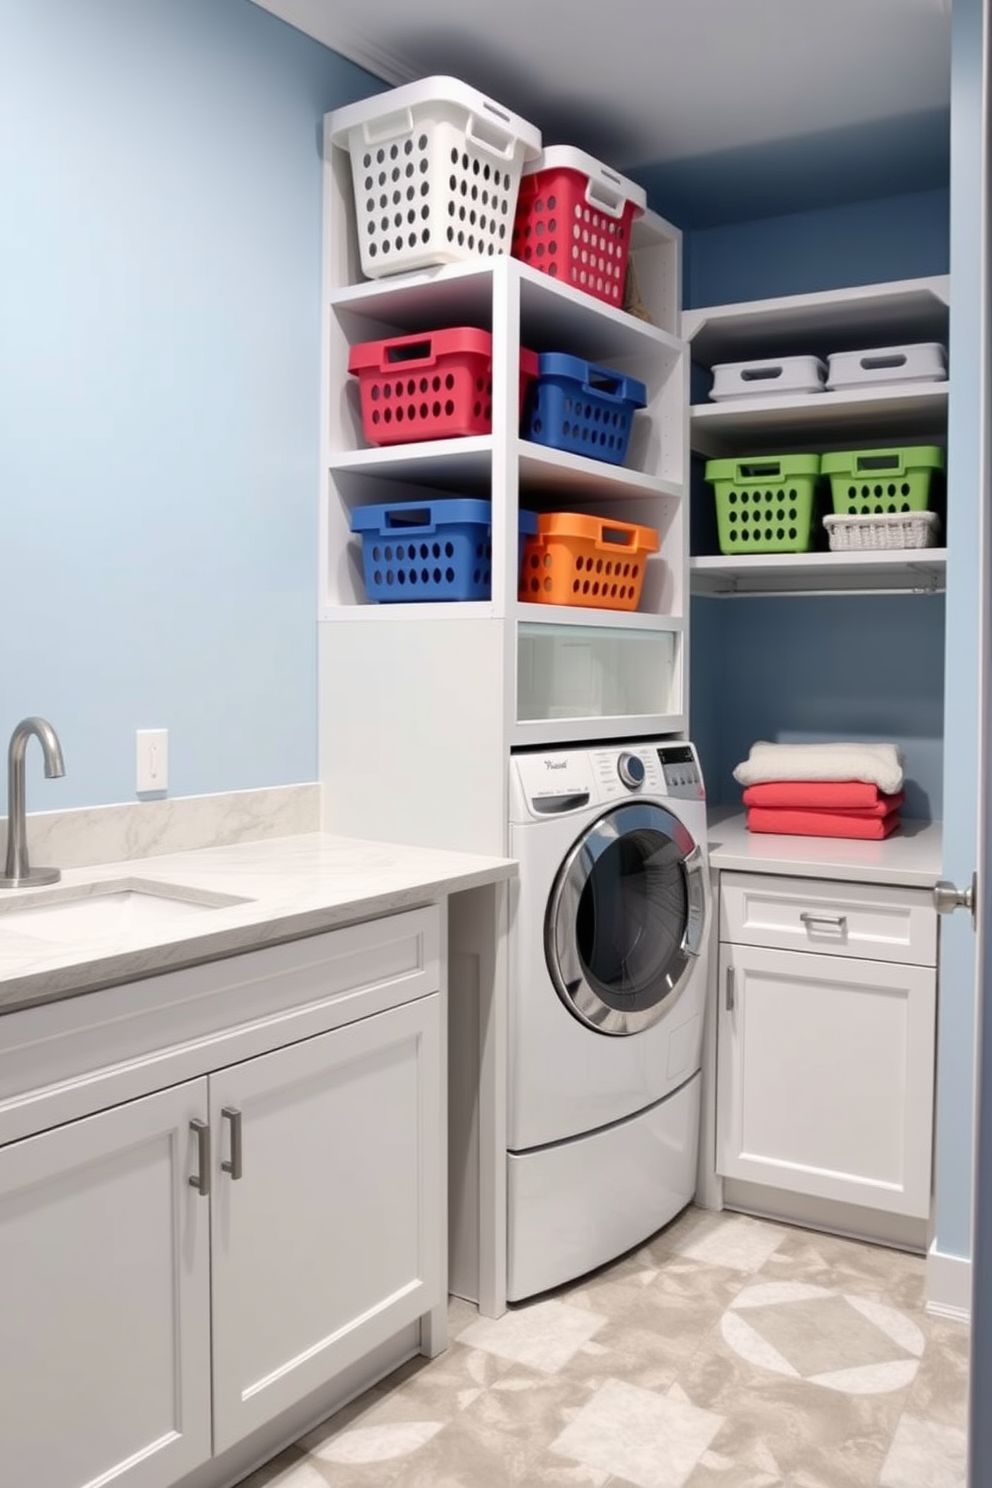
point(658, 87)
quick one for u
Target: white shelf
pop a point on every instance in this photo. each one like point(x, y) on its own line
point(634, 621)
point(553, 316)
point(741, 426)
point(905, 571)
point(451, 464)
point(544, 731)
point(553, 616)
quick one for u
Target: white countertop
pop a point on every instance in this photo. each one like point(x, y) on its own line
point(291, 886)
point(911, 856)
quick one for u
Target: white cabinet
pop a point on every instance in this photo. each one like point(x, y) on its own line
point(825, 1048)
point(104, 1290)
point(449, 688)
point(187, 1266)
point(897, 313)
point(326, 1238)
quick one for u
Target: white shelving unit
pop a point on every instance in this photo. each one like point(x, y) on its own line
point(456, 686)
point(846, 319)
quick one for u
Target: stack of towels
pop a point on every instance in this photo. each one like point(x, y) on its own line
point(823, 790)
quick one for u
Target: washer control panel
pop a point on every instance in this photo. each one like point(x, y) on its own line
point(630, 768)
point(556, 782)
point(681, 771)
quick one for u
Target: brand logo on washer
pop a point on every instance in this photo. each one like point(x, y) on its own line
point(550, 764)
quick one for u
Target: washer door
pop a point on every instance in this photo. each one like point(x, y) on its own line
point(626, 919)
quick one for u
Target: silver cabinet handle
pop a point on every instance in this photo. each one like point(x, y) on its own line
point(201, 1180)
point(235, 1166)
point(837, 922)
point(730, 989)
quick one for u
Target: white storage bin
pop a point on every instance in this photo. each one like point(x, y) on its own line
point(436, 169)
point(888, 530)
point(769, 378)
point(887, 366)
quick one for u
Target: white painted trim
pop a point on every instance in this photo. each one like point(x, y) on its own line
point(328, 29)
point(948, 1286)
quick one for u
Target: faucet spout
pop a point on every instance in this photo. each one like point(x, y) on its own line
point(18, 873)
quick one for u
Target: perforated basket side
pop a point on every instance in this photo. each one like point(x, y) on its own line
point(453, 564)
point(433, 196)
point(858, 496)
point(558, 231)
point(765, 518)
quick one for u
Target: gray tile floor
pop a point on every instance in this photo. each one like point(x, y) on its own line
point(728, 1352)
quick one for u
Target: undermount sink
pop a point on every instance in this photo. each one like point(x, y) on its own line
point(112, 908)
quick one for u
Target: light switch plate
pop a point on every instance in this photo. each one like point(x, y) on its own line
point(152, 760)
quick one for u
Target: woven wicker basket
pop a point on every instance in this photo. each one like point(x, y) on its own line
point(894, 530)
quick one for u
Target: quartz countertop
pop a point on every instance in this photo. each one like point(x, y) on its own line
point(287, 887)
point(911, 856)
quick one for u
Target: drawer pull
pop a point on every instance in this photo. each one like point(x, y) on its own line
point(235, 1166)
point(730, 989)
point(201, 1180)
point(836, 922)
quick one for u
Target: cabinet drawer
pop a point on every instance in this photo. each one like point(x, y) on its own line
point(880, 922)
point(63, 1059)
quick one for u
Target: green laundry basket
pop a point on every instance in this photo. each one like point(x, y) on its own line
point(764, 503)
point(872, 482)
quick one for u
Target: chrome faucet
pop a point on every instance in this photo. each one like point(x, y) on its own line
point(17, 874)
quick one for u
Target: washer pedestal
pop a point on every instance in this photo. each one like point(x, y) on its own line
point(579, 1204)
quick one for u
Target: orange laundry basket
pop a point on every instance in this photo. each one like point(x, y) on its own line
point(574, 559)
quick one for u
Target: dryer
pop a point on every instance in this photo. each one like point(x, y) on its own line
point(607, 978)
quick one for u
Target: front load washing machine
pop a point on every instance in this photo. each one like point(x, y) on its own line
point(607, 965)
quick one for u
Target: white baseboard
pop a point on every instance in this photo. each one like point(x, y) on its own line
point(948, 1286)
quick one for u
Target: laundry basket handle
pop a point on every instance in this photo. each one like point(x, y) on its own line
point(388, 126)
point(889, 462)
point(409, 351)
point(762, 374)
point(411, 520)
point(605, 190)
point(759, 470)
point(605, 384)
point(617, 536)
point(487, 135)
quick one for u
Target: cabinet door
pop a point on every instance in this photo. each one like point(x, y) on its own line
point(328, 1239)
point(104, 1300)
point(825, 1076)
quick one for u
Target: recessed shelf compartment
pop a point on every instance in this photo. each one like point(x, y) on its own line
point(866, 316)
point(835, 320)
point(594, 672)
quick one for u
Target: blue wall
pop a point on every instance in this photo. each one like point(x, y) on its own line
point(801, 668)
point(159, 376)
point(864, 242)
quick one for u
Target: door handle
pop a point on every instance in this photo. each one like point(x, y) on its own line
point(947, 897)
point(201, 1180)
point(836, 922)
point(234, 1166)
point(730, 999)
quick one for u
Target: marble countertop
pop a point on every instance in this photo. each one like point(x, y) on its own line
point(911, 856)
point(283, 888)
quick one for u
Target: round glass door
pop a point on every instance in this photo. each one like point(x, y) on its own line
point(626, 919)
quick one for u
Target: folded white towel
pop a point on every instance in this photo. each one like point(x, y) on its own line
point(879, 764)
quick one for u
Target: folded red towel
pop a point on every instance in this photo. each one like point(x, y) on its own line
point(831, 795)
point(881, 807)
point(820, 823)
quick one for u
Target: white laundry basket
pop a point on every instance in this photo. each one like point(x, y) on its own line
point(436, 169)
